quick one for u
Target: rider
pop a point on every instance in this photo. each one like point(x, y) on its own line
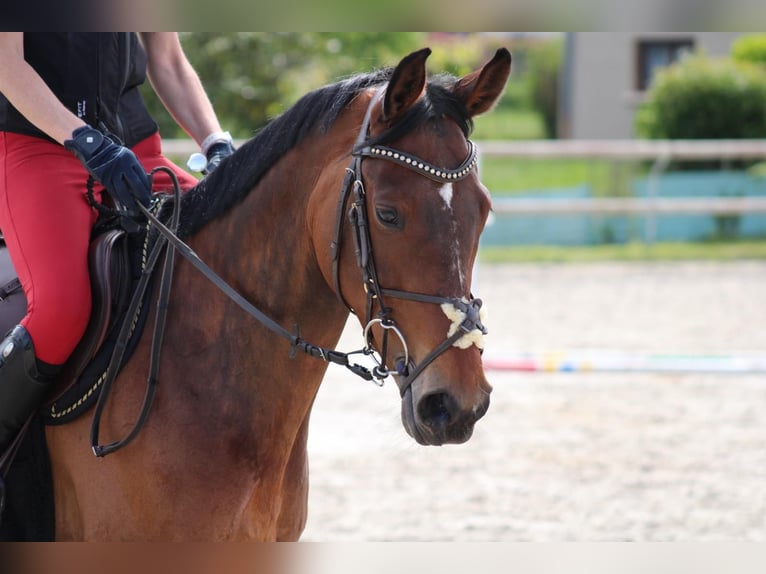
point(69, 107)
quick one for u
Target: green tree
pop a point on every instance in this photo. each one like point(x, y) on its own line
point(253, 76)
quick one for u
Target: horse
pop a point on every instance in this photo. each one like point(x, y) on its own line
point(363, 197)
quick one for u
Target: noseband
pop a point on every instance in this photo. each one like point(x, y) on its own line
point(353, 185)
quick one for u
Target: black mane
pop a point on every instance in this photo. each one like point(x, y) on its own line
point(314, 112)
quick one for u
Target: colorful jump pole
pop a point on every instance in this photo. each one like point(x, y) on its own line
point(620, 362)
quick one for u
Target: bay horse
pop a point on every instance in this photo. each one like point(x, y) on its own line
point(362, 197)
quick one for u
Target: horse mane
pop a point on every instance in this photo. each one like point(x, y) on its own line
point(313, 113)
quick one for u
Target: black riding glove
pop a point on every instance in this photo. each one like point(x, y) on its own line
point(113, 165)
point(216, 153)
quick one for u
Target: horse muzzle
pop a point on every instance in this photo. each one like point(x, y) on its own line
point(437, 417)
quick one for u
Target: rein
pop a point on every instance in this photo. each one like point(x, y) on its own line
point(127, 327)
point(169, 242)
point(168, 239)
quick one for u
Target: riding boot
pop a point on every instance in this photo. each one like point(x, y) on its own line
point(22, 384)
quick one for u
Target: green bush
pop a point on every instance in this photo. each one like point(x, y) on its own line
point(750, 48)
point(702, 98)
point(253, 76)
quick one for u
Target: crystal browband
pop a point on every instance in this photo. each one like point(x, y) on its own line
point(416, 164)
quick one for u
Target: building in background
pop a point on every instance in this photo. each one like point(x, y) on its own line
point(605, 75)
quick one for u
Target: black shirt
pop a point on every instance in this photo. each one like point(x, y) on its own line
point(95, 75)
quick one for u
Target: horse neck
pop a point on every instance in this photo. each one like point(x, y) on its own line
point(264, 249)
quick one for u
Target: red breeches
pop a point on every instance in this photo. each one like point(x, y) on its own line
point(46, 221)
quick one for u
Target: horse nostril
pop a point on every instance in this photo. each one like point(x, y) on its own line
point(436, 410)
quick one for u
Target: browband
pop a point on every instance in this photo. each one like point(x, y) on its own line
point(440, 174)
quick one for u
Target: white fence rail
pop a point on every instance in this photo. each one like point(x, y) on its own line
point(631, 206)
point(661, 151)
point(627, 149)
point(185, 147)
point(595, 149)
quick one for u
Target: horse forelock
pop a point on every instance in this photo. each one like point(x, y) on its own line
point(313, 113)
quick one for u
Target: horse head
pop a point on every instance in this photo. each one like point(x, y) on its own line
point(416, 208)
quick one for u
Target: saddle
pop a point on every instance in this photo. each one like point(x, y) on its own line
point(111, 276)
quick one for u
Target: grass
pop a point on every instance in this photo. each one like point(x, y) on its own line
point(508, 175)
point(509, 124)
point(705, 251)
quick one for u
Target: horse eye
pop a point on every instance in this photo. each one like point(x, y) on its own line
point(388, 216)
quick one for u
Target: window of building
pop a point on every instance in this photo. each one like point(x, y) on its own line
point(655, 54)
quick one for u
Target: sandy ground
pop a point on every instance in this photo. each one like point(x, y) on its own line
point(569, 456)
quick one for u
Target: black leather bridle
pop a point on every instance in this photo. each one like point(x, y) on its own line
point(353, 186)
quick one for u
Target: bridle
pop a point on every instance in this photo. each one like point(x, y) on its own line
point(353, 186)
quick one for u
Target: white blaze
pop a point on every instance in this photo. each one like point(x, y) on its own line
point(446, 194)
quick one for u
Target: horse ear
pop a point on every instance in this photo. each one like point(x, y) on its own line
point(481, 89)
point(406, 85)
